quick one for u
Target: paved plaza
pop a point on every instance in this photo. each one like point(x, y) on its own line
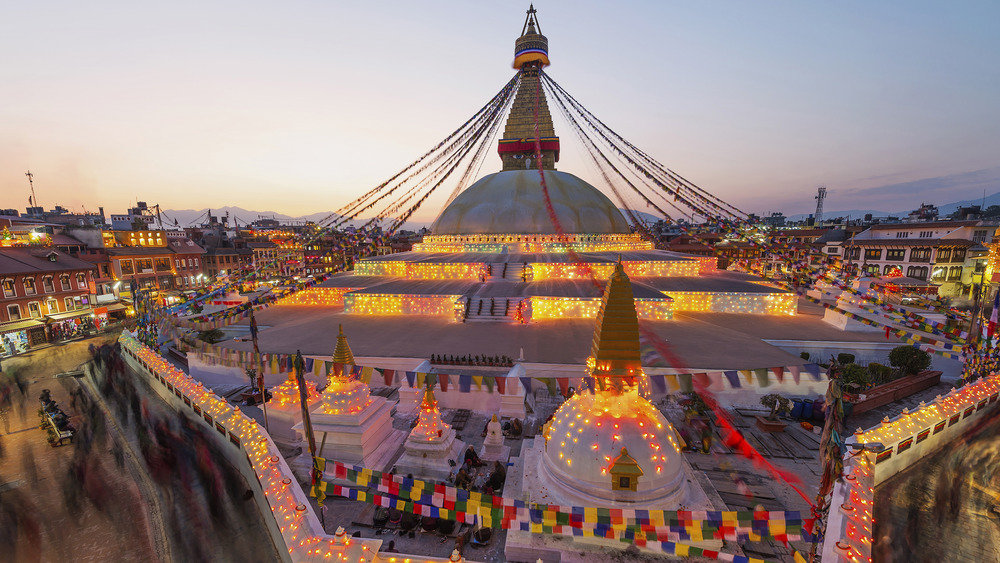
point(694, 337)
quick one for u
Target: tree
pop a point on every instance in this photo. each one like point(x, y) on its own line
point(879, 373)
point(854, 377)
point(776, 403)
point(909, 360)
point(212, 336)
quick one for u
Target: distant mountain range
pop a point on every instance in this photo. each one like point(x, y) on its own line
point(943, 210)
point(238, 215)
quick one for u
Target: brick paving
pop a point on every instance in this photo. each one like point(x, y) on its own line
point(34, 475)
point(117, 512)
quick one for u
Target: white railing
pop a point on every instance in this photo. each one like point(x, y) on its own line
point(294, 526)
point(888, 448)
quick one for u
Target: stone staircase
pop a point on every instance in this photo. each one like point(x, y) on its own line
point(505, 271)
point(492, 309)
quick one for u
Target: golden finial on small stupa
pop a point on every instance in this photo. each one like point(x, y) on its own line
point(342, 353)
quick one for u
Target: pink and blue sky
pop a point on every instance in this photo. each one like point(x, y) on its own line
point(298, 107)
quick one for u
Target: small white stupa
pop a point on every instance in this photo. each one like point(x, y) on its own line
point(432, 446)
point(352, 425)
point(493, 447)
point(284, 410)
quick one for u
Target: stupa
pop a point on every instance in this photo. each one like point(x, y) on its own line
point(432, 446)
point(608, 446)
point(493, 447)
point(284, 410)
point(538, 245)
point(352, 425)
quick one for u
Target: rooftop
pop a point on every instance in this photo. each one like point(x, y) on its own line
point(31, 260)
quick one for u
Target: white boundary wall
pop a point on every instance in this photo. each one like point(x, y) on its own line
point(907, 439)
point(294, 527)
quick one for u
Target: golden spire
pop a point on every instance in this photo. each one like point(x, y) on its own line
point(342, 353)
point(615, 351)
point(517, 146)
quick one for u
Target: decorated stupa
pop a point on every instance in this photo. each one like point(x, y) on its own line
point(352, 425)
point(284, 410)
point(611, 425)
point(526, 242)
point(432, 450)
point(608, 445)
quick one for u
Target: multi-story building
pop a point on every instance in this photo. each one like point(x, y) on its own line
point(221, 261)
point(189, 264)
point(947, 253)
point(40, 290)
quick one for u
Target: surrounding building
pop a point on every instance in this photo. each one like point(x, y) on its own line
point(43, 289)
point(949, 254)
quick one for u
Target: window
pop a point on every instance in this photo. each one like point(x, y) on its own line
point(144, 265)
point(47, 285)
point(29, 286)
point(126, 267)
point(920, 255)
point(872, 269)
point(926, 234)
point(52, 305)
point(939, 274)
point(895, 254)
point(955, 273)
point(624, 483)
point(34, 310)
point(69, 303)
point(889, 268)
point(918, 272)
point(832, 250)
point(979, 235)
point(958, 255)
point(14, 312)
point(873, 254)
point(902, 234)
point(8, 288)
point(195, 262)
point(81, 281)
point(105, 270)
point(855, 253)
point(163, 264)
point(944, 254)
point(64, 282)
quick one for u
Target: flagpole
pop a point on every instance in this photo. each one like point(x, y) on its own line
point(260, 368)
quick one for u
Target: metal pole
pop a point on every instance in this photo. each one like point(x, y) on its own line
point(259, 367)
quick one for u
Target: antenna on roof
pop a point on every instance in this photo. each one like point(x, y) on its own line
point(34, 200)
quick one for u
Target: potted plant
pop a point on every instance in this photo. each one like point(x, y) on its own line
point(777, 404)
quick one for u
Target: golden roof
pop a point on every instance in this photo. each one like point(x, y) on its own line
point(625, 464)
point(342, 353)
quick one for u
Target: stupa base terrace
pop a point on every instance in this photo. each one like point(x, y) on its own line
point(508, 286)
point(699, 340)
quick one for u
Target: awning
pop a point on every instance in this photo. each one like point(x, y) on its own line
point(24, 324)
point(112, 307)
point(70, 315)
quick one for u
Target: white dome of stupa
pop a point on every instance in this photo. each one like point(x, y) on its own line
point(513, 201)
point(587, 434)
point(345, 396)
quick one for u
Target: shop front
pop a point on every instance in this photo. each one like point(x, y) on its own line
point(73, 323)
point(20, 336)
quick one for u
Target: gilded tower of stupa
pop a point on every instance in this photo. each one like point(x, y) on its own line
point(517, 147)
